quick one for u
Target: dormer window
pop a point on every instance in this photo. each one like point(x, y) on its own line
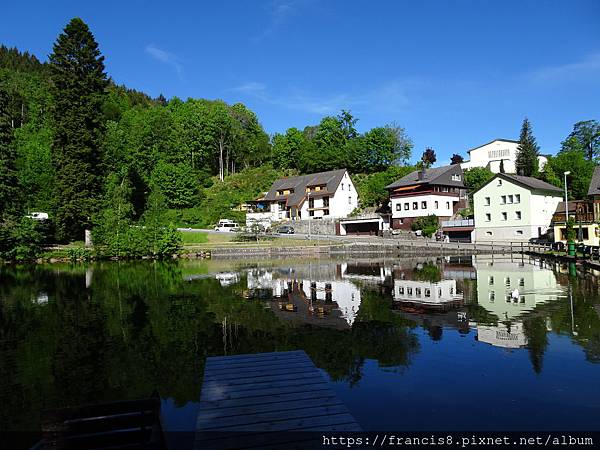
point(455, 177)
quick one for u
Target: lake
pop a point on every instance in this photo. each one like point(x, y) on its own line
point(454, 343)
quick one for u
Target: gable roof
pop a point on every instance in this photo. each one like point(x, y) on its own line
point(436, 175)
point(526, 182)
point(594, 188)
point(299, 184)
point(492, 141)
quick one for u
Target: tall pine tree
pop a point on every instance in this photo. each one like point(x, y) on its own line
point(527, 152)
point(8, 174)
point(78, 89)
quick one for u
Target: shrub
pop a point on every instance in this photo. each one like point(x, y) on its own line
point(426, 223)
point(20, 240)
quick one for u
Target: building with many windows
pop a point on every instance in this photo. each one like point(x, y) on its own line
point(439, 191)
point(324, 195)
point(497, 154)
point(514, 208)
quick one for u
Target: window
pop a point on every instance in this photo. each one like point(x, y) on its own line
point(447, 205)
point(436, 204)
point(342, 186)
point(398, 205)
point(507, 281)
point(415, 205)
point(326, 201)
point(400, 290)
point(418, 291)
point(491, 280)
point(311, 213)
point(510, 199)
point(325, 212)
point(349, 187)
point(503, 200)
point(427, 292)
point(521, 282)
point(492, 296)
point(423, 205)
point(488, 233)
point(406, 206)
point(444, 189)
point(311, 202)
point(349, 200)
point(488, 217)
point(518, 215)
point(504, 216)
point(487, 201)
point(519, 232)
point(499, 182)
point(517, 198)
point(400, 221)
point(409, 291)
point(455, 177)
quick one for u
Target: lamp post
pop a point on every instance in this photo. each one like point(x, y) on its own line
point(309, 219)
point(566, 198)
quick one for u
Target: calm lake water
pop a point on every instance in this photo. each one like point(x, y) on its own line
point(440, 344)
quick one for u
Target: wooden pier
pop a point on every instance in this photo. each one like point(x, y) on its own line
point(266, 400)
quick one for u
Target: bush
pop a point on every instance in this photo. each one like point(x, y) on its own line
point(20, 240)
point(428, 224)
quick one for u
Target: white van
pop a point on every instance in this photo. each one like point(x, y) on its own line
point(227, 225)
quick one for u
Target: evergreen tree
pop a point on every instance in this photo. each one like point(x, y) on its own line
point(8, 173)
point(527, 152)
point(78, 88)
point(502, 170)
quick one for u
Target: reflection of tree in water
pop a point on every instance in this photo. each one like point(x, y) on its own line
point(534, 328)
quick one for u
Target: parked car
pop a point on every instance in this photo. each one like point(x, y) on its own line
point(285, 229)
point(38, 216)
point(227, 226)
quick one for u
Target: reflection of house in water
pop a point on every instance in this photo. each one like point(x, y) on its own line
point(503, 335)
point(439, 295)
point(227, 278)
point(321, 294)
point(508, 289)
point(367, 272)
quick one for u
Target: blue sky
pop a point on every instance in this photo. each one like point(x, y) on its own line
point(454, 74)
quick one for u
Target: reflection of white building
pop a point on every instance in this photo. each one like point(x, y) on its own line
point(426, 292)
point(311, 286)
point(502, 335)
point(227, 278)
point(497, 280)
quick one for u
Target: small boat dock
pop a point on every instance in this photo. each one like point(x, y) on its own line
point(266, 400)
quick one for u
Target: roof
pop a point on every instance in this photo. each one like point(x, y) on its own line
point(594, 188)
point(492, 141)
point(299, 184)
point(436, 175)
point(526, 182)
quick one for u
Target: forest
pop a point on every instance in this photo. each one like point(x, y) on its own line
point(97, 155)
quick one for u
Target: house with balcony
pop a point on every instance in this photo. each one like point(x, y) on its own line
point(514, 208)
point(586, 214)
point(495, 154)
point(439, 191)
point(323, 195)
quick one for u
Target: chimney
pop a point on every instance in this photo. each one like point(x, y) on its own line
point(421, 174)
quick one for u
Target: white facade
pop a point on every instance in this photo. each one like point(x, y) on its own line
point(491, 154)
point(423, 205)
point(333, 205)
point(507, 211)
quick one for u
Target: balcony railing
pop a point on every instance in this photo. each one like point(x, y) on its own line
point(458, 223)
point(587, 217)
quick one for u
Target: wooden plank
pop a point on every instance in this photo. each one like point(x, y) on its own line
point(238, 385)
point(260, 380)
point(257, 370)
point(259, 420)
point(227, 395)
point(257, 363)
point(292, 424)
point(282, 407)
point(255, 356)
point(243, 375)
point(317, 393)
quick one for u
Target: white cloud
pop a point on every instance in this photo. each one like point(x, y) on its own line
point(279, 12)
point(586, 66)
point(165, 57)
point(390, 97)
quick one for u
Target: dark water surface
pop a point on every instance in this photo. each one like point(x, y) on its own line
point(440, 344)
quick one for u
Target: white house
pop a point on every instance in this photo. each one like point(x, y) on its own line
point(513, 208)
point(439, 191)
point(324, 195)
point(491, 155)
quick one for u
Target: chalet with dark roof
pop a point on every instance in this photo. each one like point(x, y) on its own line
point(439, 191)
